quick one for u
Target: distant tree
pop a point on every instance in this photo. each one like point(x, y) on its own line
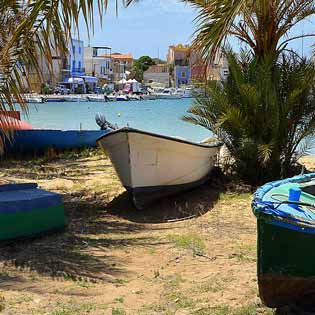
point(159, 61)
point(140, 66)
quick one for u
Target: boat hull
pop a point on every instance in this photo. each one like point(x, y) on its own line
point(142, 196)
point(286, 258)
point(26, 211)
point(152, 166)
point(41, 139)
point(168, 96)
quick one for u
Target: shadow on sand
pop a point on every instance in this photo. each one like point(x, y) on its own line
point(82, 251)
point(182, 206)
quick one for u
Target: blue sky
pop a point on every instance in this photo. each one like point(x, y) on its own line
point(150, 26)
point(146, 28)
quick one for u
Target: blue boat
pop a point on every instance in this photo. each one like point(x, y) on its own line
point(26, 210)
point(42, 139)
point(285, 212)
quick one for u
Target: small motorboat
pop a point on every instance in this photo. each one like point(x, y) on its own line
point(168, 94)
point(27, 139)
point(36, 140)
point(50, 99)
point(134, 97)
point(185, 92)
point(122, 97)
point(75, 98)
point(26, 211)
point(285, 212)
point(111, 98)
point(33, 99)
point(151, 166)
point(147, 97)
point(97, 98)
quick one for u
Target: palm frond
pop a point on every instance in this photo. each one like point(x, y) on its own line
point(34, 28)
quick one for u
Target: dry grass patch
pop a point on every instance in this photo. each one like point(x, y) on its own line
point(190, 241)
point(115, 260)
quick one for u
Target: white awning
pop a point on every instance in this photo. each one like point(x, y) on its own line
point(76, 80)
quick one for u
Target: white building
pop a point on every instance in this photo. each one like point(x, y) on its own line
point(97, 62)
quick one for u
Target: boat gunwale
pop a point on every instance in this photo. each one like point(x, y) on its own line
point(265, 210)
point(133, 130)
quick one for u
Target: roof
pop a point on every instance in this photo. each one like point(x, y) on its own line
point(100, 47)
point(119, 56)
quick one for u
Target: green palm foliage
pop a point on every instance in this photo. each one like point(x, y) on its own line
point(263, 25)
point(30, 28)
point(264, 113)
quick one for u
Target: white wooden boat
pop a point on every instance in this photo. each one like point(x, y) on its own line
point(34, 99)
point(134, 97)
point(168, 94)
point(96, 98)
point(111, 98)
point(146, 97)
point(75, 98)
point(151, 166)
point(122, 97)
point(185, 93)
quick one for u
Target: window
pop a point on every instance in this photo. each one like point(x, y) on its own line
point(73, 65)
point(79, 65)
point(73, 49)
point(79, 50)
point(183, 74)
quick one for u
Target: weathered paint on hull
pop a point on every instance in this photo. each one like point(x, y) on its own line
point(143, 196)
point(286, 266)
point(151, 166)
point(29, 223)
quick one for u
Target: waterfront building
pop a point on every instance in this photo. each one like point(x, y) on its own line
point(73, 71)
point(64, 69)
point(159, 73)
point(178, 57)
point(97, 63)
point(121, 65)
point(217, 70)
point(50, 73)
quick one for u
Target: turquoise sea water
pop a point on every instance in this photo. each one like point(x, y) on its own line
point(159, 116)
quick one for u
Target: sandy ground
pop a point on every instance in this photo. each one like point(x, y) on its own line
point(113, 259)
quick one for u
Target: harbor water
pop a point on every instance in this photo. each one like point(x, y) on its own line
point(159, 116)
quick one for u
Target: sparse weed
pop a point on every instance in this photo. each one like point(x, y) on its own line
point(244, 253)
point(2, 303)
point(190, 241)
point(118, 311)
point(119, 300)
point(215, 310)
point(74, 308)
point(120, 281)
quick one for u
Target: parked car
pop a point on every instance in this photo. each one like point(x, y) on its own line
point(61, 89)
